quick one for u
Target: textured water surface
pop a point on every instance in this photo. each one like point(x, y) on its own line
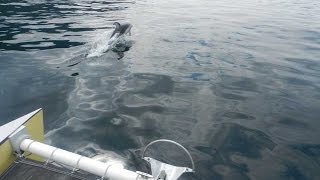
point(236, 82)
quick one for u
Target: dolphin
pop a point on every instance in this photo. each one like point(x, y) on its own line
point(121, 29)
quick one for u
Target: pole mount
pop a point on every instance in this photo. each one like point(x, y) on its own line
point(17, 137)
point(164, 171)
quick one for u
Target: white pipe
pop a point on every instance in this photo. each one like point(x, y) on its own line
point(107, 170)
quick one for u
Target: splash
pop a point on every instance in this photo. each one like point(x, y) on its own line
point(100, 45)
point(121, 44)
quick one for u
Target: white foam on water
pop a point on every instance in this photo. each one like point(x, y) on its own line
point(103, 43)
point(95, 152)
point(100, 44)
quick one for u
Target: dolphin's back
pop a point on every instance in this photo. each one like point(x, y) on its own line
point(124, 28)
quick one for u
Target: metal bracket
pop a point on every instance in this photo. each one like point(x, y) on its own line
point(144, 175)
point(51, 156)
point(162, 175)
point(164, 171)
point(17, 137)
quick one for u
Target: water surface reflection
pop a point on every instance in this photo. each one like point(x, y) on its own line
point(236, 82)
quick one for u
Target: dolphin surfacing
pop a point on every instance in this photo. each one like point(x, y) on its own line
point(121, 29)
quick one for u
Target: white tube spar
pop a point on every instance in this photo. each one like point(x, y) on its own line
point(107, 170)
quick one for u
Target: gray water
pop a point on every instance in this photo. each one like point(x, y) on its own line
point(236, 82)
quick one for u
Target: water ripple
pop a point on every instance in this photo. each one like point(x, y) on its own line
point(236, 82)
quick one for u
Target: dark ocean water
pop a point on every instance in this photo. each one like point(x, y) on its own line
point(236, 82)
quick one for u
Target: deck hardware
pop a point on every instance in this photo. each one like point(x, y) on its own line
point(164, 171)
